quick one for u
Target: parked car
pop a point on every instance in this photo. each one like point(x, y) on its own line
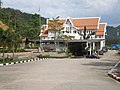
point(100, 52)
point(104, 49)
point(93, 56)
point(118, 51)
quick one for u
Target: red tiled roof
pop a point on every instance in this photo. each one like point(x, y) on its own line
point(44, 35)
point(44, 31)
point(90, 23)
point(44, 27)
point(100, 31)
point(80, 23)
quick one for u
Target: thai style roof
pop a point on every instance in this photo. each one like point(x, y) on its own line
point(91, 23)
point(101, 30)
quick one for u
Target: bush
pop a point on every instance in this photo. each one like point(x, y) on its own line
point(62, 51)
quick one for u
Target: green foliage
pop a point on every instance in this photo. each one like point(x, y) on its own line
point(112, 37)
point(27, 25)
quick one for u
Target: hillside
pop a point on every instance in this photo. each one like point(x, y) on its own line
point(113, 35)
point(26, 25)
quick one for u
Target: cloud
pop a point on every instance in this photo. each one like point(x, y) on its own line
point(107, 9)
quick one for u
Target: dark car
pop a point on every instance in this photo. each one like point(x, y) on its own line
point(118, 51)
point(100, 52)
point(92, 56)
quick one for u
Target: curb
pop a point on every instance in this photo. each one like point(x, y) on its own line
point(113, 74)
point(24, 61)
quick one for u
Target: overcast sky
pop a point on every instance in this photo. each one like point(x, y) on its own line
point(108, 10)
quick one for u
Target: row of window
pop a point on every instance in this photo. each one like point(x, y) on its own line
point(48, 38)
point(79, 32)
point(52, 38)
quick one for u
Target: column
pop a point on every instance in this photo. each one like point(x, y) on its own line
point(93, 46)
point(90, 48)
point(101, 44)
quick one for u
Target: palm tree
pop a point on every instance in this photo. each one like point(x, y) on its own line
point(86, 37)
point(15, 42)
point(5, 39)
point(66, 38)
point(54, 25)
point(8, 39)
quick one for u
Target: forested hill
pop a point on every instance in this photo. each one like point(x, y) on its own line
point(113, 35)
point(27, 25)
point(113, 31)
point(9, 15)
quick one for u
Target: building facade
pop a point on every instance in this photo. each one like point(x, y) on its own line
point(78, 28)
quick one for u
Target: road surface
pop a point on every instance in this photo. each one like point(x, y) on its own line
point(60, 74)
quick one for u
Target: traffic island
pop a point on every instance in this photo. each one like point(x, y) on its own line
point(115, 72)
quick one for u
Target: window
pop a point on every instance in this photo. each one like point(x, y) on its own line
point(87, 31)
point(43, 37)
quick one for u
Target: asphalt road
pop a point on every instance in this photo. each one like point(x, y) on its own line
point(59, 74)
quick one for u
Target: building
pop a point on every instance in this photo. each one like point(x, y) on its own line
point(77, 28)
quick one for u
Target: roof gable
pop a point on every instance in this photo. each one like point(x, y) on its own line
point(101, 30)
point(90, 23)
point(68, 22)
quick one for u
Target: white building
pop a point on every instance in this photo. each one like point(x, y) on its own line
point(75, 27)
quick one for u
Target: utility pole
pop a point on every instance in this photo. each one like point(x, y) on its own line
point(39, 18)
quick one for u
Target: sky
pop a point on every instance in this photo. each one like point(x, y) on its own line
point(108, 10)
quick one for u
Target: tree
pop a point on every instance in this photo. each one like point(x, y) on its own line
point(5, 39)
point(86, 37)
point(9, 39)
point(31, 29)
point(55, 26)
